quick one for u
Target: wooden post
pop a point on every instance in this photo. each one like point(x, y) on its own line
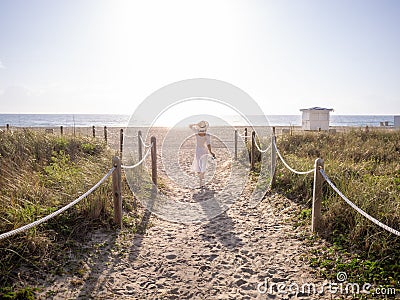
point(236, 144)
point(94, 131)
point(317, 195)
point(121, 141)
point(140, 145)
point(273, 157)
point(61, 130)
point(8, 127)
point(253, 150)
point(105, 134)
point(245, 144)
point(116, 184)
point(154, 160)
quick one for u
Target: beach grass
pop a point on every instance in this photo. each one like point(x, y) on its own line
point(39, 174)
point(365, 166)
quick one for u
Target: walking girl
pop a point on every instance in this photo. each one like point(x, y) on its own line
point(203, 149)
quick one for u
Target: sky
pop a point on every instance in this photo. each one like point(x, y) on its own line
point(98, 56)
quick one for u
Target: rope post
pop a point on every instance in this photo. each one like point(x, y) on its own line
point(61, 130)
point(94, 131)
point(121, 141)
point(253, 150)
point(105, 134)
point(154, 160)
point(236, 143)
point(317, 195)
point(245, 143)
point(273, 156)
point(140, 145)
point(116, 185)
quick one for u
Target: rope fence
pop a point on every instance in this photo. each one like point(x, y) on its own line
point(141, 161)
point(56, 213)
point(151, 150)
point(143, 143)
point(359, 210)
point(259, 148)
point(115, 171)
point(287, 166)
point(319, 177)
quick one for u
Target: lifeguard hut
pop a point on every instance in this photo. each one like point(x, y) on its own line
point(396, 122)
point(315, 118)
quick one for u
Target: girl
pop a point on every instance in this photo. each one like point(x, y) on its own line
point(203, 147)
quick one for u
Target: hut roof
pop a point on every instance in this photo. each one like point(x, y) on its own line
point(316, 108)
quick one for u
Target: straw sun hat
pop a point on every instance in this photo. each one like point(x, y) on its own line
point(202, 126)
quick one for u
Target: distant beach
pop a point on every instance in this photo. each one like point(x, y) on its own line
point(115, 120)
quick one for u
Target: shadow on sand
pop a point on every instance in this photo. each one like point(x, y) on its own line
point(107, 262)
point(221, 227)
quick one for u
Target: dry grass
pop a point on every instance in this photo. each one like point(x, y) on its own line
point(39, 174)
point(366, 168)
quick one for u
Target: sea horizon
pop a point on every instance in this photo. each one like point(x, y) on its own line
point(122, 120)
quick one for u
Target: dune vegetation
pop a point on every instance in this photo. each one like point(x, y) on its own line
point(365, 166)
point(39, 174)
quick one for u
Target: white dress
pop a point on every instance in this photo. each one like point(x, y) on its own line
point(200, 159)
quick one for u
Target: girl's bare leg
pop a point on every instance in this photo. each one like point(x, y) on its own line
point(201, 177)
point(199, 174)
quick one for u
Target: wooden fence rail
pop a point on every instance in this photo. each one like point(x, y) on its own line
point(318, 179)
point(317, 196)
point(117, 193)
point(121, 141)
point(273, 157)
point(116, 178)
point(236, 144)
point(140, 145)
point(154, 160)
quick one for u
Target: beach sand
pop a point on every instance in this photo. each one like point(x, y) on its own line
point(226, 258)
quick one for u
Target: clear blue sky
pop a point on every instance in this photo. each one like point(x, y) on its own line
point(93, 56)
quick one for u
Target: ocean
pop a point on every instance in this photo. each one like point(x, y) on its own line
point(112, 120)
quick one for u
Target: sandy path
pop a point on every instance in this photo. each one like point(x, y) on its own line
point(226, 258)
